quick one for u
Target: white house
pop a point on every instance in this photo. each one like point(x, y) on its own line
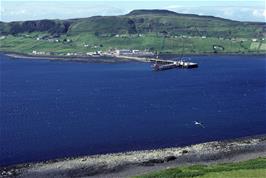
point(123, 52)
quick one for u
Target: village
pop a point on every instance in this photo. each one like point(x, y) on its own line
point(109, 53)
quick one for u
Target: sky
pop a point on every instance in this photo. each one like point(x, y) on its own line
point(20, 10)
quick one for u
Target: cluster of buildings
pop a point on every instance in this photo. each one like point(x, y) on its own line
point(126, 35)
point(133, 52)
point(112, 52)
point(53, 38)
point(40, 53)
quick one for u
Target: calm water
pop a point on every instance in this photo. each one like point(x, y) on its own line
point(57, 109)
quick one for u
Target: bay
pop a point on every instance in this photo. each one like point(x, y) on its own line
point(55, 109)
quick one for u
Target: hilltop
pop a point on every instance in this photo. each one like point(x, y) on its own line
point(155, 30)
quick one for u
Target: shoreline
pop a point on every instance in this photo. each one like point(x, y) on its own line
point(132, 163)
point(114, 59)
point(88, 59)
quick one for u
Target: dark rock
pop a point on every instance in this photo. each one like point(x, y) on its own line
point(184, 151)
point(151, 162)
point(169, 158)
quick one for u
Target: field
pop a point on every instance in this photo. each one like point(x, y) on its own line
point(255, 46)
point(247, 169)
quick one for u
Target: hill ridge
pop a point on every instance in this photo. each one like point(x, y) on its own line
point(136, 21)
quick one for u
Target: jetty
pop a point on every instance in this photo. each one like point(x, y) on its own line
point(162, 64)
point(174, 64)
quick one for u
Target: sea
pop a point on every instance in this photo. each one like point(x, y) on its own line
point(57, 109)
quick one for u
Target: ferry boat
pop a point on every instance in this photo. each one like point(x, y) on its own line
point(186, 64)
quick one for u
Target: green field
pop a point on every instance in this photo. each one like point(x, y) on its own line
point(263, 47)
point(255, 46)
point(248, 169)
point(176, 45)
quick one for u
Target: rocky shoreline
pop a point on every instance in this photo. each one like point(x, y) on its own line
point(87, 59)
point(138, 162)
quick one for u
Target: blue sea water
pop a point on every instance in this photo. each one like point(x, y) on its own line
point(57, 109)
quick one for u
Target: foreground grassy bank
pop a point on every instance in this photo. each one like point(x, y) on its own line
point(248, 169)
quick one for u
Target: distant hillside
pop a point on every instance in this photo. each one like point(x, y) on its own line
point(141, 21)
point(156, 30)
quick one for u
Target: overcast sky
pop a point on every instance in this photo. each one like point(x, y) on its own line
point(16, 10)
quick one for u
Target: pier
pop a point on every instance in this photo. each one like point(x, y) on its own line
point(161, 64)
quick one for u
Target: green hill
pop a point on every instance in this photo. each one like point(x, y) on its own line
point(157, 30)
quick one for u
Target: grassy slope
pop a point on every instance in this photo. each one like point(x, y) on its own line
point(173, 24)
point(247, 169)
point(100, 31)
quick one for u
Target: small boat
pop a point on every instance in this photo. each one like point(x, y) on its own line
point(186, 64)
